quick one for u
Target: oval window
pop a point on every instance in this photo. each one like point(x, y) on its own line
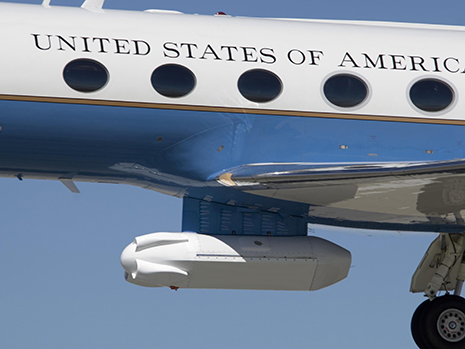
point(259, 85)
point(85, 75)
point(173, 80)
point(431, 95)
point(345, 90)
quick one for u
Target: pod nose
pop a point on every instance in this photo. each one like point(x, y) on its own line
point(128, 259)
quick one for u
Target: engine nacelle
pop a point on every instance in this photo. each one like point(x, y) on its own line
point(190, 260)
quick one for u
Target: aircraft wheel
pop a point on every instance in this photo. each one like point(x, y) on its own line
point(417, 325)
point(443, 323)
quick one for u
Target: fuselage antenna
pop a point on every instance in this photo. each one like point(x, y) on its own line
point(46, 3)
point(93, 5)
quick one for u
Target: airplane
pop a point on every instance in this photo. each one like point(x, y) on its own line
point(259, 130)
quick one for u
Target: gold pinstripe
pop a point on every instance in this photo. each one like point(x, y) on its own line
point(146, 105)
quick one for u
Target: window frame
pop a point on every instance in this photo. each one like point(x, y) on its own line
point(101, 65)
point(270, 73)
point(186, 69)
point(447, 83)
point(359, 77)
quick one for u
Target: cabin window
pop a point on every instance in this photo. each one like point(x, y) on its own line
point(259, 85)
point(345, 90)
point(85, 75)
point(431, 95)
point(173, 80)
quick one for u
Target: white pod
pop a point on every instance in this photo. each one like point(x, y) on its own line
point(190, 260)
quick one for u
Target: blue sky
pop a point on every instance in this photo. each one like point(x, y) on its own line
point(62, 285)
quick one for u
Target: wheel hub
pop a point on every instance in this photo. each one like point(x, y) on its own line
point(451, 325)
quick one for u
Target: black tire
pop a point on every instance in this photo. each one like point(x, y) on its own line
point(444, 323)
point(417, 325)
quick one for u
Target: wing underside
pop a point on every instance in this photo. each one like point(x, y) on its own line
point(427, 196)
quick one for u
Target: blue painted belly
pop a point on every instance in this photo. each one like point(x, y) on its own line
point(184, 148)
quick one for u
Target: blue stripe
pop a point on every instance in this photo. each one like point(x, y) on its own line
point(181, 149)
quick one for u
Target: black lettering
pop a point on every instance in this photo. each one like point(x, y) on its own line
point(436, 64)
point(348, 59)
point(175, 51)
point(446, 66)
point(210, 51)
point(369, 61)
point(86, 44)
point(417, 61)
point(102, 44)
point(229, 49)
point(139, 52)
point(248, 56)
point(314, 56)
point(397, 64)
point(121, 45)
point(295, 60)
point(36, 40)
point(268, 55)
point(189, 49)
point(71, 46)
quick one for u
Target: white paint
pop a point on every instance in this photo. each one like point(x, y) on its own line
point(217, 79)
point(190, 260)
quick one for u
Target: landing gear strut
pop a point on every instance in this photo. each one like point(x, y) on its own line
point(439, 322)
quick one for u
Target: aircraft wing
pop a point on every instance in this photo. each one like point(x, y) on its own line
point(292, 175)
point(428, 196)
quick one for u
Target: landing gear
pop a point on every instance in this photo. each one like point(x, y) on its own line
point(439, 322)
point(417, 326)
